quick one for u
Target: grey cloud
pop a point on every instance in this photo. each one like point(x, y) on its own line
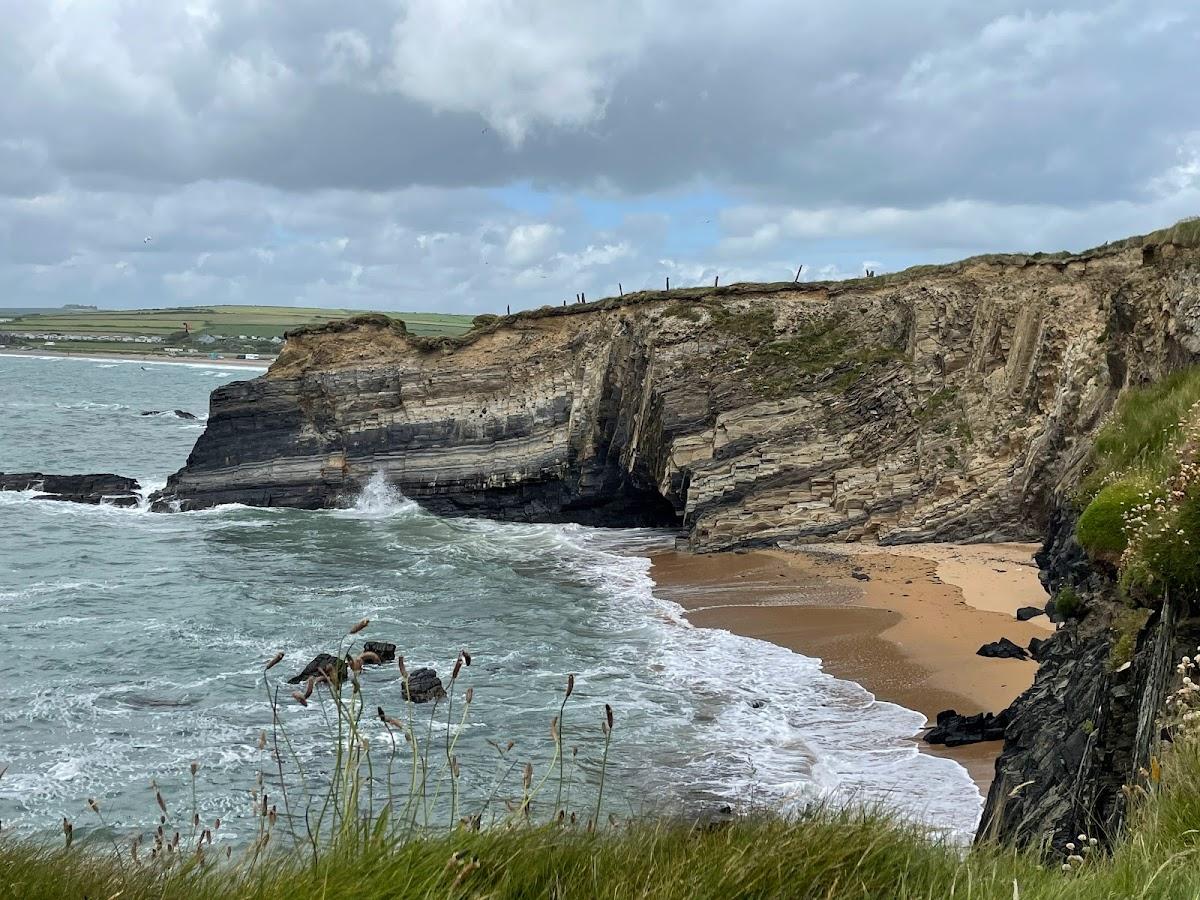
point(308, 152)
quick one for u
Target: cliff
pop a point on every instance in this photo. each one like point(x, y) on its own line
point(949, 402)
point(953, 402)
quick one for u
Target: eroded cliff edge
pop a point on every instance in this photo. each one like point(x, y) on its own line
point(948, 402)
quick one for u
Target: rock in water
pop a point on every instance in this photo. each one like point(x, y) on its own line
point(322, 664)
point(424, 685)
point(1003, 649)
point(116, 490)
point(954, 730)
point(385, 651)
point(1025, 613)
point(184, 414)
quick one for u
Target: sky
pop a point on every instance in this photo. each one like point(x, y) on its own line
point(468, 155)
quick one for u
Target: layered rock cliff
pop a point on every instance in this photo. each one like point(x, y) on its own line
point(951, 402)
point(947, 402)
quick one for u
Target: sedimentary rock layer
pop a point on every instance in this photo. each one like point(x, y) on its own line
point(944, 402)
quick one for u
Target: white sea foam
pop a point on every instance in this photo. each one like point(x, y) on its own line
point(378, 499)
point(816, 737)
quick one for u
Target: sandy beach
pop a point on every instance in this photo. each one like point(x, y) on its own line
point(103, 356)
point(904, 622)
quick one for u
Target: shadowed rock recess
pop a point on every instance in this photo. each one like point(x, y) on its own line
point(953, 402)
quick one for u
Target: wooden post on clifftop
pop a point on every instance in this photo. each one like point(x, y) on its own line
point(796, 280)
point(716, 278)
point(668, 282)
point(620, 290)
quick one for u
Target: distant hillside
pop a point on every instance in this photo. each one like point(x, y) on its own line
point(228, 328)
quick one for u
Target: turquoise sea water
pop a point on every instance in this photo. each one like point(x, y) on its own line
point(135, 641)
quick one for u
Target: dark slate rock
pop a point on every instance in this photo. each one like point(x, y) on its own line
point(184, 414)
point(1037, 648)
point(424, 685)
point(1025, 613)
point(1003, 649)
point(955, 730)
point(96, 488)
point(322, 664)
point(860, 575)
point(385, 651)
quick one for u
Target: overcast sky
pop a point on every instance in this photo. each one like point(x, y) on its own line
point(461, 155)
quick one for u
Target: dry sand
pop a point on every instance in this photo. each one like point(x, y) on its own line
point(907, 632)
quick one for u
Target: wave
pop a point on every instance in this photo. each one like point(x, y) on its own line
point(378, 499)
point(785, 733)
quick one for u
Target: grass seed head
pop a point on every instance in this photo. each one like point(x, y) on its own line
point(360, 625)
point(275, 660)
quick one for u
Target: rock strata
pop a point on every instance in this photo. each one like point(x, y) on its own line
point(946, 402)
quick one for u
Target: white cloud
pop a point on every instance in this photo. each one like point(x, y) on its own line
point(527, 243)
point(515, 64)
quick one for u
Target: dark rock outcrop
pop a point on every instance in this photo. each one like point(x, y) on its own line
point(382, 649)
point(1025, 613)
point(1003, 649)
point(115, 490)
point(422, 686)
point(324, 665)
point(1085, 727)
point(955, 730)
point(178, 413)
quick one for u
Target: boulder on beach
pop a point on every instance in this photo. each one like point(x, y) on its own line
point(1003, 649)
point(384, 650)
point(322, 664)
point(955, 730)
point(1025, 613)
point(424, 685)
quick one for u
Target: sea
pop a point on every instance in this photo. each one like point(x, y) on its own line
point(135, 643)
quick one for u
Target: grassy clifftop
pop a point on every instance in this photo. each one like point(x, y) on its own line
point(825, 855)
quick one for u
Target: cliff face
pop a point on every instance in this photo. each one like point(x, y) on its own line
point(948, 402)
point(1089, 726)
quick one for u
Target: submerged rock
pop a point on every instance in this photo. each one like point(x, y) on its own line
point(954, 730)
point(178, 413)
point(424, 685)
point(385, 651)
point(1003, 649)
point(322, 664)
point(116, 490)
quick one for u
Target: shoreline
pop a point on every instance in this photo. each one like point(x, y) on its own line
point(156, 358)
point(904, 622)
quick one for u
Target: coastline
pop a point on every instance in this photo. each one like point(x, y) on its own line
point(904, 622)
point(157, 358)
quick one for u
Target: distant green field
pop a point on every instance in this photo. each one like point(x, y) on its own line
point(255, 322)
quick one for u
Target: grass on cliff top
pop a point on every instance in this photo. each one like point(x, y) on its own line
point(831, 855)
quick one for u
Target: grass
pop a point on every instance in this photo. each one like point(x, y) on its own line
point(355, 842)
point(1142, 494)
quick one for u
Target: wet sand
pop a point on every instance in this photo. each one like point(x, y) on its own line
point(906, 628)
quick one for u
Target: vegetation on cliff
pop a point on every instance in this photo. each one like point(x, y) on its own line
point(1142, 511)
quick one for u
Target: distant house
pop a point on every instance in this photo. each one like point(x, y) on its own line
point(206, 339)
point(277, 340)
